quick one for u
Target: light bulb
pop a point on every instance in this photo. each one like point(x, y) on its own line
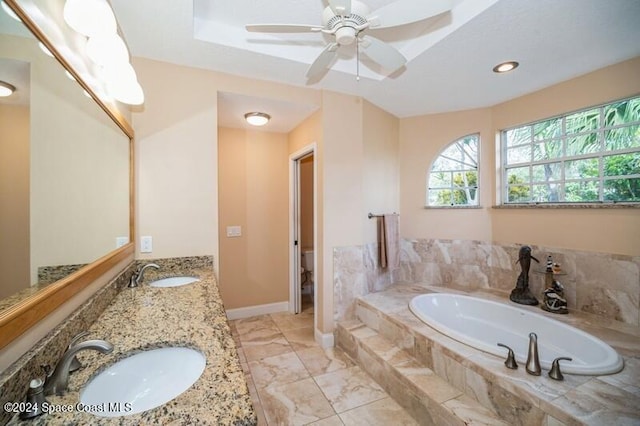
point(257, 118)
point(90, 17)
point(104, 49)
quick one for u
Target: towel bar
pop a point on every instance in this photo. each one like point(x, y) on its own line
point(371, 215)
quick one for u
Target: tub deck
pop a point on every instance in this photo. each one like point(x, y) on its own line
point(471, 376)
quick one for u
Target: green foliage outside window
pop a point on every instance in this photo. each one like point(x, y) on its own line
point(587, 156)
point(453, 179)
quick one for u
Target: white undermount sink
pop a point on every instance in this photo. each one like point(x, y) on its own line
point(142, 381)
point(174, 282)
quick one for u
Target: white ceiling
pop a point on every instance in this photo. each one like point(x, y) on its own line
point(450, 56)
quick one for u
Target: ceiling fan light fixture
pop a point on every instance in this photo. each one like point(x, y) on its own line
point(6, 89)
point(505, 67)
point(257, 118)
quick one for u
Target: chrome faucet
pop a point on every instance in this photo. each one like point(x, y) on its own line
point(533, 362)
point(137, 276)
point(57, 382)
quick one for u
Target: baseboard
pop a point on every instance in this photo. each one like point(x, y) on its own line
point(325, 340)
point(252, 311)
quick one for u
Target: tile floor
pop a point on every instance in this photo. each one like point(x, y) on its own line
point(293, 381)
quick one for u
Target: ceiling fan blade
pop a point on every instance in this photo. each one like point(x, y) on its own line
point(340, 7)
point(282, 28)
point(402, 12)
point(383, 54)
point(323, 61)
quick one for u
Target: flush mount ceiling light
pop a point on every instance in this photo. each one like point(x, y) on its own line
point(6, 89)
point(505, 67)
point(257, 118)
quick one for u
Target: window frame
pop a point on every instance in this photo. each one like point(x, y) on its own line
point(451, 172)
point(562, 180)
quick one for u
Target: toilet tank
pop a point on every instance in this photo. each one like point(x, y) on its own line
point(307, 259)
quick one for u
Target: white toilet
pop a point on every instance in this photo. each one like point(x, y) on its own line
point(307, 265)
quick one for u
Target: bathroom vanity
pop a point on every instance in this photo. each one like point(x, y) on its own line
point(145, 318)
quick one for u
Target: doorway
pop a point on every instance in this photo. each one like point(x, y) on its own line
point(303, 285)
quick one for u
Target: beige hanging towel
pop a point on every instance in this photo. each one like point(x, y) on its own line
point(389, 241)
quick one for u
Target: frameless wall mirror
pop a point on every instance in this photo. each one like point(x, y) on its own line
point(65, 179)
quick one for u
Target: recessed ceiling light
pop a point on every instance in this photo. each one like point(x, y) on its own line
point(505, 67)
point(257, 118)
point(6, 89)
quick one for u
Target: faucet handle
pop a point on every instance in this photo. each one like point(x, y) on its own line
point(34, 403)
point(555, 372)
point(75, 363)
point(510, 362)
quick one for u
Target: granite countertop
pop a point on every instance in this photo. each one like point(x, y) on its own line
point(147, 317)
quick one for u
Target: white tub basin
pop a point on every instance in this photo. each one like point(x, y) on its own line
point(174, 282)
point(483, 323)
point(142, 381)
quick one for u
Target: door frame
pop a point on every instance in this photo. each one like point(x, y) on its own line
point(294, 228)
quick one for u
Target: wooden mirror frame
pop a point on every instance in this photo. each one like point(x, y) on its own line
point(17, 319)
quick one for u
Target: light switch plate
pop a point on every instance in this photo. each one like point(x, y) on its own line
point(120, 241)
point(234, 231)
point(146, 244)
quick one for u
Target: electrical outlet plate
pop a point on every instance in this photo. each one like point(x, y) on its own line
point(146, 244)
point(120, 241)
point(234, 231)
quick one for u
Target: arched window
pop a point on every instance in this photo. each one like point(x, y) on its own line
point(453, 179)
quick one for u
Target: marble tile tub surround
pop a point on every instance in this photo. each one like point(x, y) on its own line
point(607, 285)
point(356, 272)
point(420, 353)
point(191, 316)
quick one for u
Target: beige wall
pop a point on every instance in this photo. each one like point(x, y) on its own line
point(422, 138)
point(342, 196)
point(601, 230)
point(359, 172)
point(14, 193)
point(177, 154)
point(381, 168)
point(254, 194)
point(176, 157)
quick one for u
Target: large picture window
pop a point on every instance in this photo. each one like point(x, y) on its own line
point(589, 156)
point(453, 179)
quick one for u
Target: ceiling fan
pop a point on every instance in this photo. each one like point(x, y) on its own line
point(347, 20)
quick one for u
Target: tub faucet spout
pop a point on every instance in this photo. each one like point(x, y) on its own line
point(533, 362)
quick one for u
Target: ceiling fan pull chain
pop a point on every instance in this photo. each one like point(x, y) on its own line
point(357, 59)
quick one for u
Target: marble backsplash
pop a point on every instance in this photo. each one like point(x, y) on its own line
point(598, 283)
